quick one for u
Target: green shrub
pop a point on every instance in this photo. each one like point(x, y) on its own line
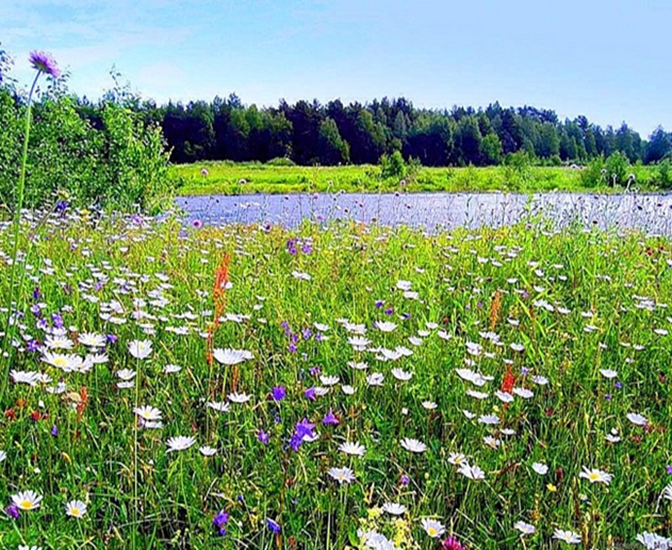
point(664, 174)
point(118, 163)
point(393, 166)
point(618, 168)
point(594, 174)
point(281, 161)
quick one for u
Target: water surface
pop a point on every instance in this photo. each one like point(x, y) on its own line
point(649, 212)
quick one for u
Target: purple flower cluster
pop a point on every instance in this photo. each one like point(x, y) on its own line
point(302, 430)
point(219, 522)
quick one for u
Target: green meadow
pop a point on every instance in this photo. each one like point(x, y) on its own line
point(229, 178)
point(368, 387)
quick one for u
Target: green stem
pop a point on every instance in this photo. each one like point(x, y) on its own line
point(17, 224)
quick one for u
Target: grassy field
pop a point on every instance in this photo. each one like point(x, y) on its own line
point(241, 178)
point(369, 387)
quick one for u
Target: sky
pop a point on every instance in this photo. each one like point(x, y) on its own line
point(605, 59)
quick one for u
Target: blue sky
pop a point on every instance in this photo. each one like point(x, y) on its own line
point(608, 60)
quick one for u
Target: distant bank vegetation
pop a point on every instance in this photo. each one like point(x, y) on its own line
point(116, 152)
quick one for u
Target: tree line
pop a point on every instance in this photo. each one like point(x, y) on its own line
point(311, 133)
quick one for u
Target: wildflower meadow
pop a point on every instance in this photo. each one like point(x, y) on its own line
point(333, 386)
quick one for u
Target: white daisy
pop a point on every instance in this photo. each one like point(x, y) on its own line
point(180, 443)
point(413, 445)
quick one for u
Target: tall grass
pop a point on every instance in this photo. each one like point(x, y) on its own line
point(566, 308)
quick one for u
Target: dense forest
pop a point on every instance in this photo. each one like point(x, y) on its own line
point(311, 133)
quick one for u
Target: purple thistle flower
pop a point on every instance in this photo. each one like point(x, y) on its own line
point(330, 419)
point(13, 511)
point(274, 526)
point(44, 63)
point(451, 543)
point(263, 437)
point(279, 393)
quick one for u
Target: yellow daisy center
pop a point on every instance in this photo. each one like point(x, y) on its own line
point(60, 362)
point(594, 476)
point(26, 504)
point(75, 511)
point(431, 531)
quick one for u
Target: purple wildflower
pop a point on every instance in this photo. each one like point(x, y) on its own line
point(54, 430)
point(279, 393)
point(451, 543)
point(197, 224)
point(302, 430)
point(524, 371)
point(310, 394)
point(404, 480)
point(618, 385)
point(274, 526)
point(57, 319)
point(291, 247)
point(33, 346)
point(306, 334)
point(380, 303)
point(668, 469)
point(330, 419)
point(44, 63)
point(389, 311)
point(36, 293)
point(111, 338)
point(292, 348)
point(13, 511)
point(220, 520)
point(315, 371)
point(263, 437)
point(307, 248)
